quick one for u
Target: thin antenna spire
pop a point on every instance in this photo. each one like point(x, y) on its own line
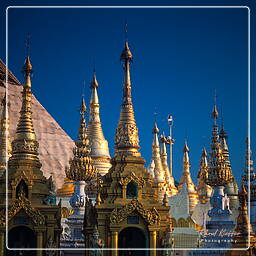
point(94, 68)
point(83, 88)
point(155, 114)
point(126, 31)
point(28, 44)
point(215, 96)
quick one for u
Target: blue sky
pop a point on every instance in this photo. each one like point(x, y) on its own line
point(180, 57)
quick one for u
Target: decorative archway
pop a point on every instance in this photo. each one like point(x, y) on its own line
point(132, 237)
point(21, 237)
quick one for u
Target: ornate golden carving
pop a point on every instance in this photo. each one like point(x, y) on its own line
point(150, 216)
point(127, 180)
point(22, 203)
point(81, 167)
point(27, 176)
point(25, 145)
point(127, 135)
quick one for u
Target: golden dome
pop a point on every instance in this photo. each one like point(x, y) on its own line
point(67, 189)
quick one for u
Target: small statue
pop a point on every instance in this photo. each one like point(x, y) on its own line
point(90, 216)
point(96, 243)
point(51, 198)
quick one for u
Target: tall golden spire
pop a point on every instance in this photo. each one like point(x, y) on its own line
point(186, 176)
point(223, 143)
point(25, 145)
point(204, 190)
point(98, 143)
point(249, 172)
point(158, 171)
point(245, 236)
point(186, 180)
point(81, 167)
point(5, 146)
point(242, 220)
point(127, 139)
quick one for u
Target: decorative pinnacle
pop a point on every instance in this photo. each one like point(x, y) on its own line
point(215, 113)
point(186, 163)
point(82, 107)
point(81, 167)
point(248, 160)
point(186, 148)
point(25, 135)
point(94, 83)
point(155, 130)
point(126, 54)
point(203, 164)
point(82, 137)
point(223, 134)
point(204, 153)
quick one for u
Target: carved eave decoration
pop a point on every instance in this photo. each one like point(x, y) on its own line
point(132, 176)
point(28, 177)
point(150, 216)
point(22, 203)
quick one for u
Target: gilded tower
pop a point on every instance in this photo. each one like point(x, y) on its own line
point(159, 173)
point(129, 204)
point(204, 190)
point(32, 212)
point(98, 143)
point(168, 174)
point(186, 180)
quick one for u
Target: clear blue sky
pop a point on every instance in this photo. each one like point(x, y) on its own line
point(180, 57)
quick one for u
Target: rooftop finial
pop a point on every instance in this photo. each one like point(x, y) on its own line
point(94, 83)
point(215, 113)
point(223, 134)
point(82, 107)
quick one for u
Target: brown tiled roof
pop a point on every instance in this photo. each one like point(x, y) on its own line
point(55, 146)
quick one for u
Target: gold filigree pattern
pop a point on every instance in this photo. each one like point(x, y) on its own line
point(127, 180)
point(127, 135)
point(150, 216)
point(22, 203)
point(25, 145)
point(81, 167)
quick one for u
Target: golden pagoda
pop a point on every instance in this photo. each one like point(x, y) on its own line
point(33, 216)
point(186, 180)
point(219, 172)
point(129, 206)
point(98, 144)
point(159, 172)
